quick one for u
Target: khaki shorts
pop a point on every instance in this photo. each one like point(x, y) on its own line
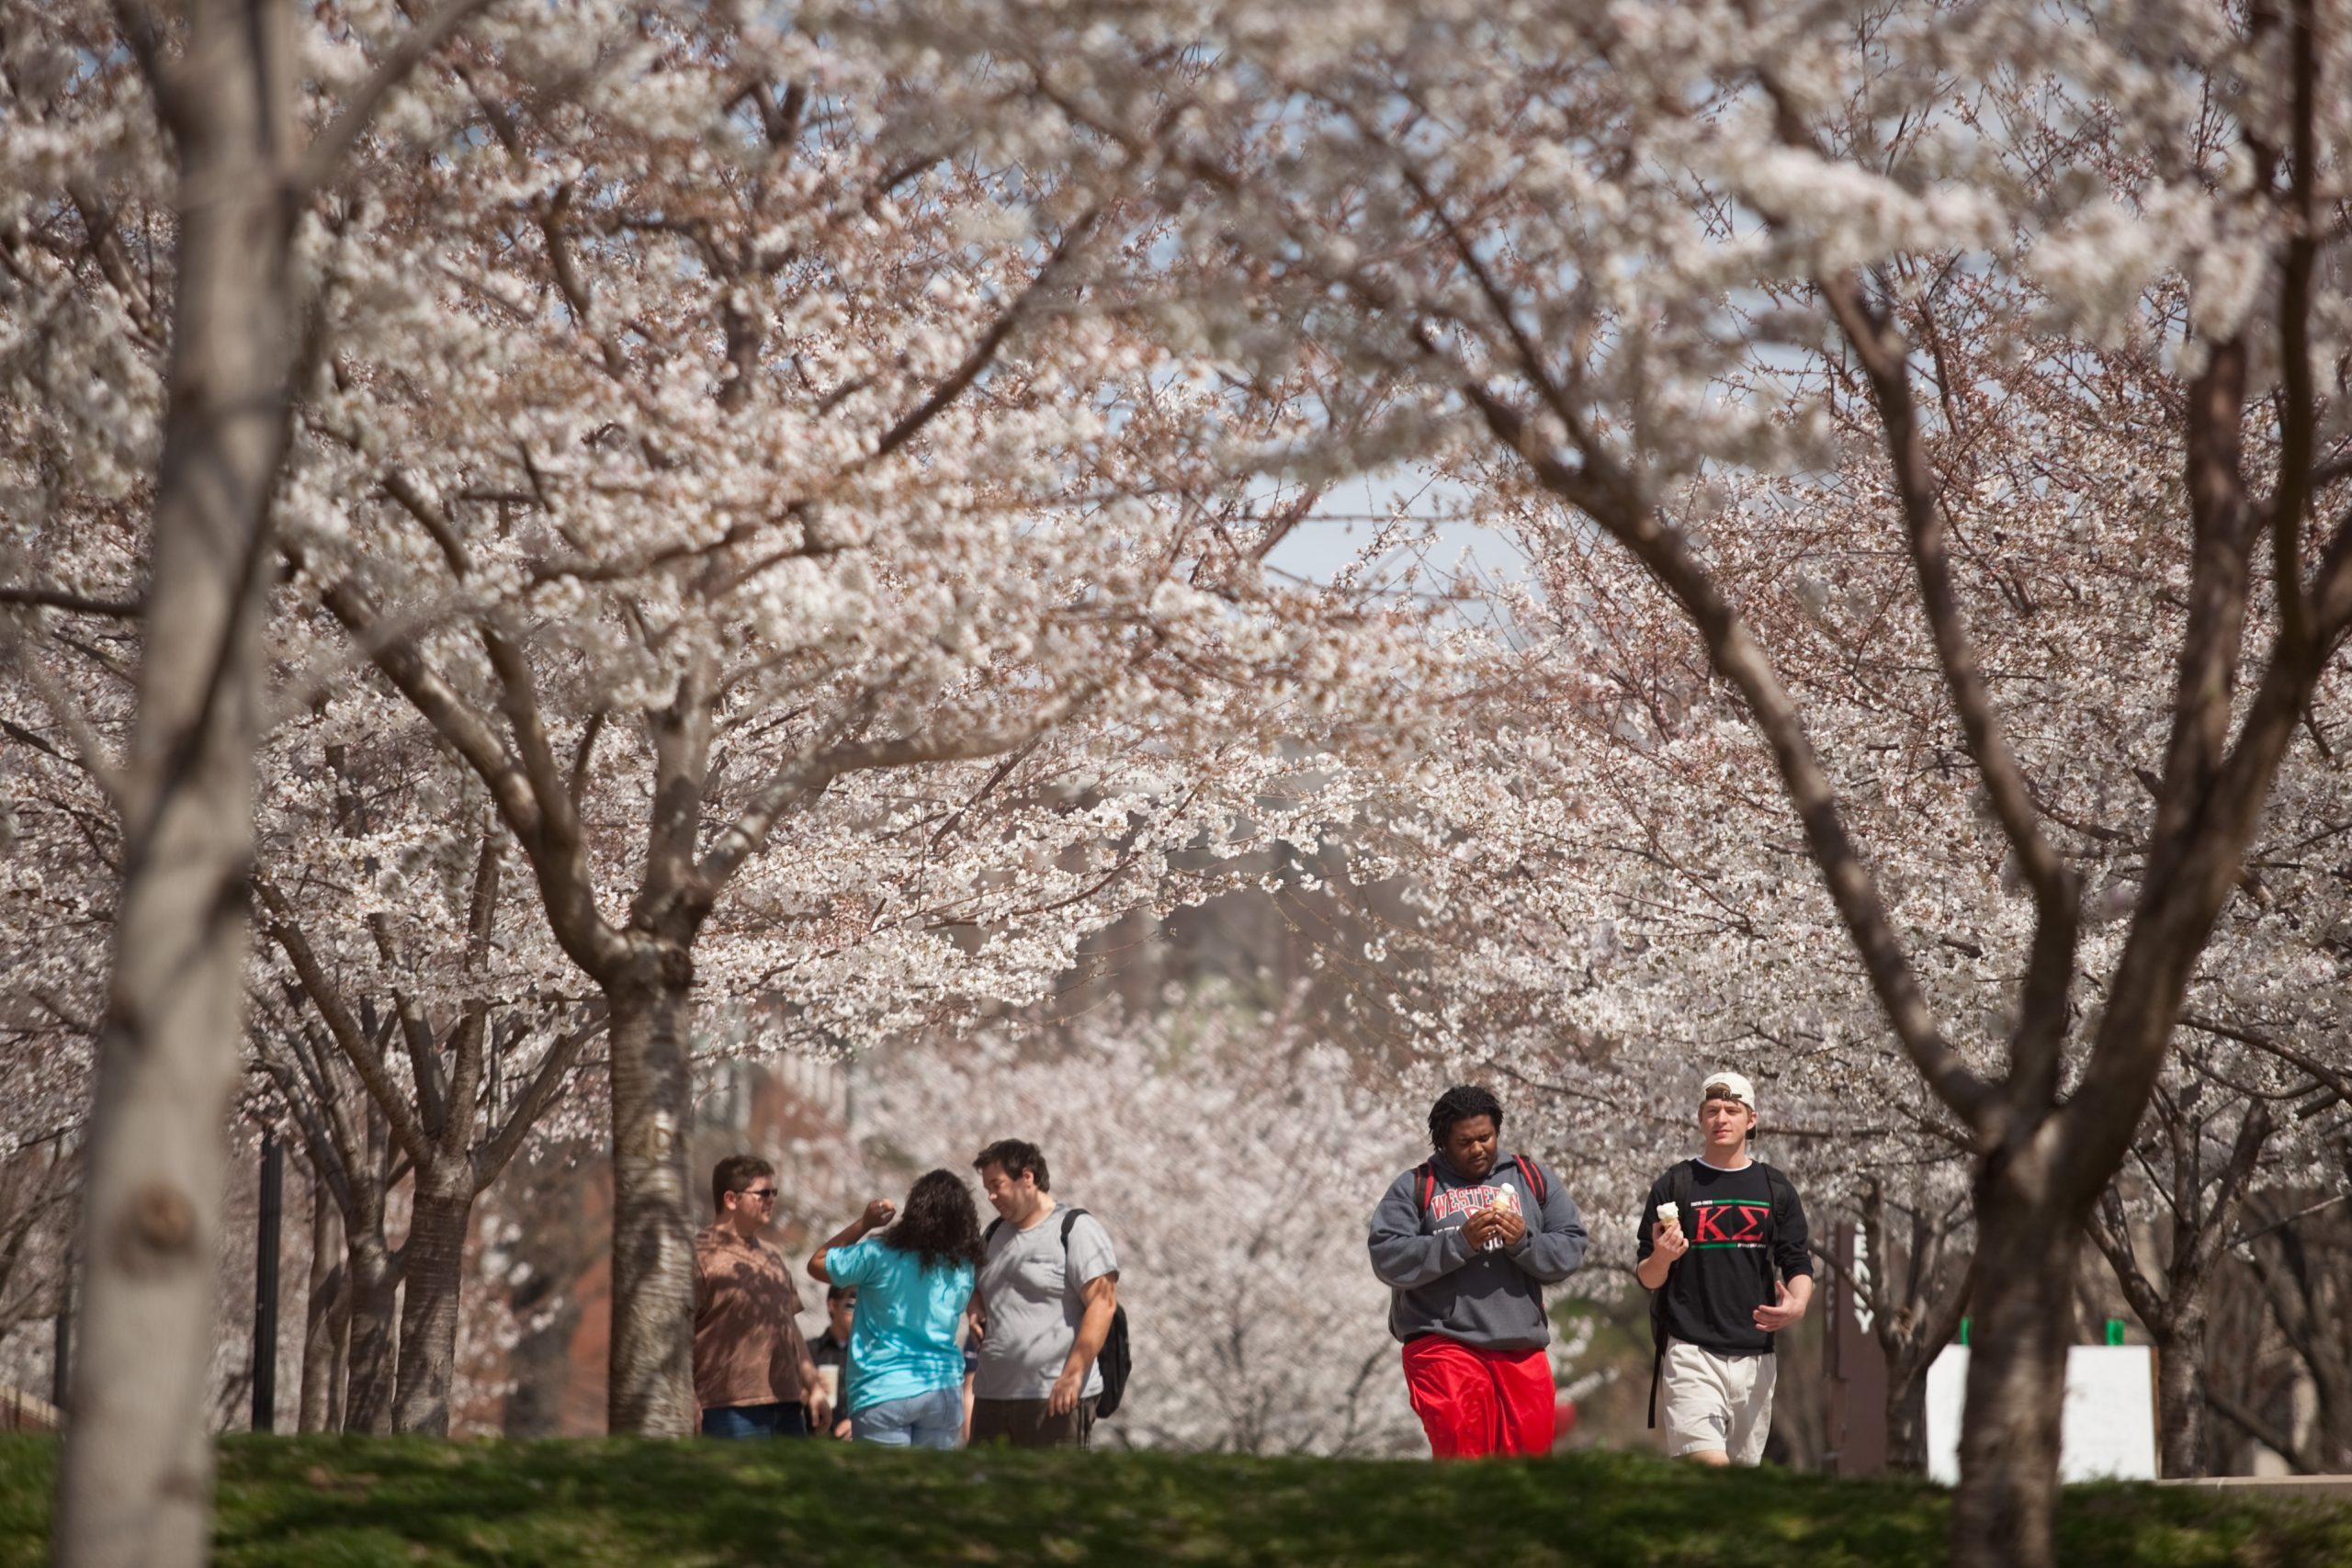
point(1721, 1403)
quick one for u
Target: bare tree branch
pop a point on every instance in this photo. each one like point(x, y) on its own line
point(326, 999)
point(2111, 1234)
point(144, 39)
point(2326, 1073)
point(500, 1151)
point(473, 1028)
point(984, 351)
point(89, 752)
point(2299, 416)
point(416, 1036)
point(1611, 501)
point(78, 603)
point(2264, 1432)
point(811, 773)
point(2209, 649)
point(334, 143)
point(557, 861)
point(1886, 362)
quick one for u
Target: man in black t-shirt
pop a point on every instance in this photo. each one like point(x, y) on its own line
point(1722, 1250)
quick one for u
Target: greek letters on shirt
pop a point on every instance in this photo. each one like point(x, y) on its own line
point(1736, 1222)
point(1741, 1244)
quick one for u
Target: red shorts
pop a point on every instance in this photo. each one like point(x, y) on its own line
point(1474, 1401)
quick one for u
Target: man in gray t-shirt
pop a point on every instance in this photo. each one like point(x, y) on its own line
point(1044, 1309)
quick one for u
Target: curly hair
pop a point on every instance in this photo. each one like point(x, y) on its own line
point(939, 1224)
point(1463, 1102)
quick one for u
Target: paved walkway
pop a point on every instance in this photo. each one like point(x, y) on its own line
point(2319, 1488)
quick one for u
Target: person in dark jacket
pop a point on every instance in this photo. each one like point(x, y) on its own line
point(1465, 1241)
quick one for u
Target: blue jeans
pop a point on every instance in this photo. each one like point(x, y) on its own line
point(756, 1421)
point(933, 1420)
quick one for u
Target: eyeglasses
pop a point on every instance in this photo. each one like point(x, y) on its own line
point(765, 1194)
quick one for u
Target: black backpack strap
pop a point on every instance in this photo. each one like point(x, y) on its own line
point(1775, 1185)
point(1426, 1172)
point(1677, 1190)
point(1110, 1375)
point(989, 1234)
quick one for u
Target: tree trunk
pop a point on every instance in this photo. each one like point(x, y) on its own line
point(652, 1370)
point(1906, 1415)
point(2331, 1434)
point(339, 1385)
point(433, 1269)
point(2305, 1304)
point(2180, 1390)
point(135, 1485)
point(2021, 1304)
point(325, 1320)
point(2333, 1438)
point(374, 1297)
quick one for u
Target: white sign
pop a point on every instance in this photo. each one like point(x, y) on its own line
point(2109, 1432)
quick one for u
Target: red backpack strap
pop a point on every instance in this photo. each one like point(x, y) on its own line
point(1533, 1178)
point(1429, 1184)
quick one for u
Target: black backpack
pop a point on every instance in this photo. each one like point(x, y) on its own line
point(1115, 1360)
point(1677, 1192)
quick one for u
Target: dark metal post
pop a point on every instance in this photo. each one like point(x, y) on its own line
point(272, 1196)
point(61, 1366)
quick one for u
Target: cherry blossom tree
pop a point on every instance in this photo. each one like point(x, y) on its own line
point(38, 1187)
point(823, 492)
point(1570, 892)
point(818, 482)
point(389, 924)
point(1641, 285)
point(685, 418)
point(60, 857)
point(2296, 1244)
point(2248, 1104)
point(2271, 1057)
point(345, 1149)
point(2203, 1189)
point(2073, 313)
point(163, 425)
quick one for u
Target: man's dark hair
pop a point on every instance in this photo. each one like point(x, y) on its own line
point(1463, 1102)
point(939, 1224)
point(838, 1294)
point(734, 1174)
point(1013, 1157)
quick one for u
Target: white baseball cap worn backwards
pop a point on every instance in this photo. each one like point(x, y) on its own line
point(1728, 1086)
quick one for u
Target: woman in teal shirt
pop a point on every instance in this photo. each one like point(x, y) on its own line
point(912, 1282)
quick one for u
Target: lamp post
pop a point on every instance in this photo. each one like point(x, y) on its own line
point(61, 1363)
point(272, 1195)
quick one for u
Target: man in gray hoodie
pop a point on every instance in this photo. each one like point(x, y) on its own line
point(1465, 1241)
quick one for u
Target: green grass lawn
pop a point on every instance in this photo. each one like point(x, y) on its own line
point(327, 1502)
